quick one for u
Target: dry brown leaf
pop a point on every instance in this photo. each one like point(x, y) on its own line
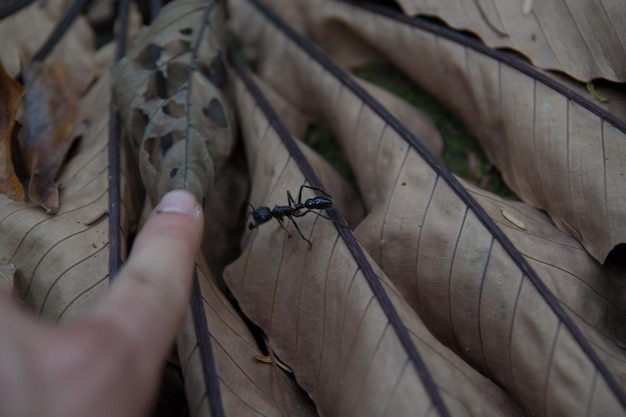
point(26, 31)
point(247, 387)
point(593, 295)
point(320, 313)
point(170, 93)
point(51, 111)
point(467, 281)
point(11, 93)
point(8, 274)
point(563, 155)
point(584, 39)
point(64, 259)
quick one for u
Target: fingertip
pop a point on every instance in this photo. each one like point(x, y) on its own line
point(179, 201)
point(178, 216)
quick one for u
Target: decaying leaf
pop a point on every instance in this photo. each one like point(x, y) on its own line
point(319, 310)
point(466, 279)
point(556, 150)
point(170, 90)
point(51, 110)
point(64, 259)
point(11, 93)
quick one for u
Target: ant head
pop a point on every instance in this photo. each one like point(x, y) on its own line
point(260, 215)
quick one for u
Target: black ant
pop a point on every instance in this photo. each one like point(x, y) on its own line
point(264, 214)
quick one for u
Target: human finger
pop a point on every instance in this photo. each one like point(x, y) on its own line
point(149, 296)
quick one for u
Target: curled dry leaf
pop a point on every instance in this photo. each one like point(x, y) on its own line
point(26, 31)
point(319, 309)
point(51, 111)
point(246, 386)
point(467, 280)
point(170, 90)
point(11, 93)
point(581, 38)
point(64, 259)
point(556, 150)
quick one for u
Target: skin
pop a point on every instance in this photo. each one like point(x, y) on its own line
point(109, 362)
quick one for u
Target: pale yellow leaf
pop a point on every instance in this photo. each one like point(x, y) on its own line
point(513, 219)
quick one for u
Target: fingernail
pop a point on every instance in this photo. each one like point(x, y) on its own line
point(178, 201)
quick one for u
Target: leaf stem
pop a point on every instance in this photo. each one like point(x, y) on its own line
point(115, 255)
point(344, 231)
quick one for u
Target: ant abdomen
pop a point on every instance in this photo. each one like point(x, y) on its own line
point(319, 203)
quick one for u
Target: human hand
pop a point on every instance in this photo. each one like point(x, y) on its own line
point(108, 363)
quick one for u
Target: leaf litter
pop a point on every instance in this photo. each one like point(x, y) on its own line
point(51, 109)
point(591, 294)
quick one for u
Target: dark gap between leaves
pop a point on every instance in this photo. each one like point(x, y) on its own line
point(322, 141)
point(462, 154)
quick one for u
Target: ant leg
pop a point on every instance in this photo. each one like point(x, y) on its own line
point(321, 215)
point(310, 187)
point(301, 235)
point(300, 194)
point(290, 200)
point(311, 211)
point(280, 221)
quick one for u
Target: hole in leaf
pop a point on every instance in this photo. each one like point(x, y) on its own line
point(186, 31)
point(216, 72)
point(166, 142)
point(148, 57)
point(215, 112)
point(177, 47)
point(160, 87)
point(177, 76)
point(174, 109)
